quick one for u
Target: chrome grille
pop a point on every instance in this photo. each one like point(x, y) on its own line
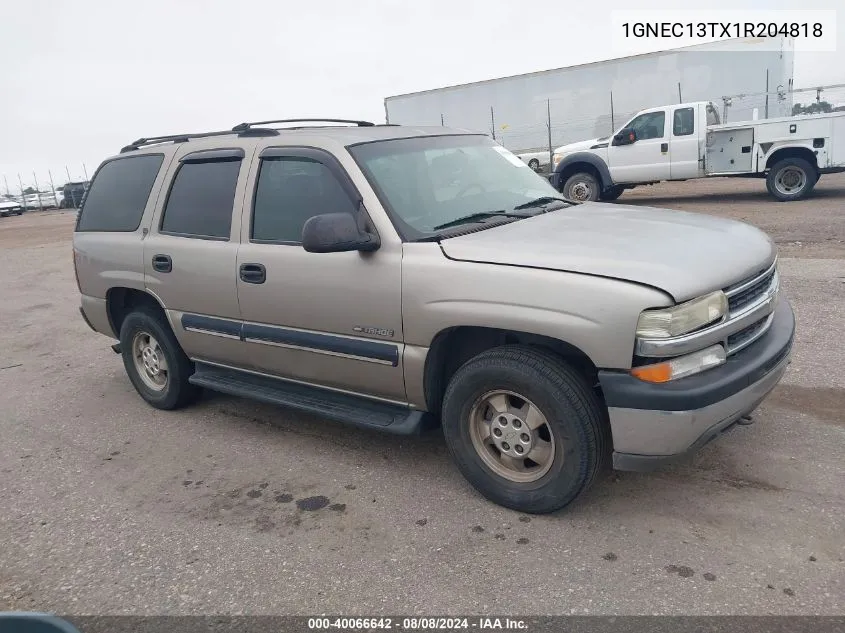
point(747, 292)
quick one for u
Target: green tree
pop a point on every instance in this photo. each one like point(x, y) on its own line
point(814, 108)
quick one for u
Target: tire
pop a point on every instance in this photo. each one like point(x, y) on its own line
point(791, 179)
point(581, 187)
point(176, 391)
point(567, 405)
point(534, 164)
point(611, 194)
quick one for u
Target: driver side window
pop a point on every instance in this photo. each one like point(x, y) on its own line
point(649, 125)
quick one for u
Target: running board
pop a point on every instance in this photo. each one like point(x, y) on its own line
point(340, 407)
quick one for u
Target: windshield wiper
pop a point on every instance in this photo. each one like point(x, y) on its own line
point(540, 202)
point(475, 217)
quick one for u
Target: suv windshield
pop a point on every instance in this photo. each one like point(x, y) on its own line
point(432, 181)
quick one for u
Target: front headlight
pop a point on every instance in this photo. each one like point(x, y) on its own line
point(688, 365)
point(683, 318)
point(556, 159)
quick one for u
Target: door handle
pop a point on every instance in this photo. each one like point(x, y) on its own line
point(664, 147)
point(253, 273)
point(162, 263)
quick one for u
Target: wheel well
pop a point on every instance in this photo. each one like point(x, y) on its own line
point(575, 168)
point(452, 348)
point(793, 152)
point(121, 301)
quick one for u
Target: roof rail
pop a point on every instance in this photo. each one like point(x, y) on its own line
point(182, 138)
point(243, 127)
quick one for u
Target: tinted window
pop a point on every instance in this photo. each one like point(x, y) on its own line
point(684, 122)
point(201, 199)
point(290, 191)
point(118, 195)
point(649, 125)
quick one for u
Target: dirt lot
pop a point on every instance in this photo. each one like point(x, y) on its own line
point(110, 506)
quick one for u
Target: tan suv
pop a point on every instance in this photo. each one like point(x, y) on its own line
point(396, 277)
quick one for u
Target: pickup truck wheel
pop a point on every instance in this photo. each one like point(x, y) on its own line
point(611, 194)
point(581, 187)
point(154, 361)
point(524, 428)
point(534, 164)
point(791, 179)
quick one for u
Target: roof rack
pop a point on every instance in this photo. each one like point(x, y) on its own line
point(183, 138)
point(244, 127)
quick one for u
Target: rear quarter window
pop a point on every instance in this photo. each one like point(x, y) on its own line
point(116, 199)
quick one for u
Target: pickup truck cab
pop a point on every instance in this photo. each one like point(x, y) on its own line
point(396, 278)
point(686, 141)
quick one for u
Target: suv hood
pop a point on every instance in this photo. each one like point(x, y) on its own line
point(684, 254)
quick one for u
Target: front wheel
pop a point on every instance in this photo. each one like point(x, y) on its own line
point(791, 179)
point(581, 187)
point(524, 428)
point(534, 164)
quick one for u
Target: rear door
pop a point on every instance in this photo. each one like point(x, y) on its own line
point(647, 159)
point(191, 250)
point(685, 145)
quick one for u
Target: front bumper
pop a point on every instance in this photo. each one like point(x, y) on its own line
point(653, 424)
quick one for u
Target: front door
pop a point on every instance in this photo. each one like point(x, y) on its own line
point(646, 159)
point(328, 319)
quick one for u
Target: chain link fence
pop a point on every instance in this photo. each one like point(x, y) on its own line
point(784, 102)
point(34, 193)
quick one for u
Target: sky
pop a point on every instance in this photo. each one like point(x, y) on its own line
point(81, 78)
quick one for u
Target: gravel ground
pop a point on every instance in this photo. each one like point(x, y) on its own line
point(108, 506)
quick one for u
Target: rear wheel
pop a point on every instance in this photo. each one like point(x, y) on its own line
point(534, 164)
point(611, 194)
point(154, 360)
point(581, 187)
point(791, 179)
point(524, 428)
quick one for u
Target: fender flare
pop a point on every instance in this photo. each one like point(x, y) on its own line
point(583, 157)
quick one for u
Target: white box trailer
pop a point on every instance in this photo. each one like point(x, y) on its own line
point(592, 100)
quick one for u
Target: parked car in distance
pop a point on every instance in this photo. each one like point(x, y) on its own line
point(538, 161)
point(10, 206)
point(397, 277)
point(35, 201)
point(73, 193)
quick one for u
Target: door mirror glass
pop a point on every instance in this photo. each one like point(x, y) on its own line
point(336, 233)
point(626, 136)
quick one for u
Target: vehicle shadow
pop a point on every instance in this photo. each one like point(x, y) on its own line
point(707, 475)
point(642, 198)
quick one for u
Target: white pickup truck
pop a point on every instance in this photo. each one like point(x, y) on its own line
point(687, 140)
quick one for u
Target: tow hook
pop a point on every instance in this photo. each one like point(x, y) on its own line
point(116, 348)
point(746, 420)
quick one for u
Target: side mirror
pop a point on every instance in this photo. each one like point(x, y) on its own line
point(626, 136)
point(336, 233)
